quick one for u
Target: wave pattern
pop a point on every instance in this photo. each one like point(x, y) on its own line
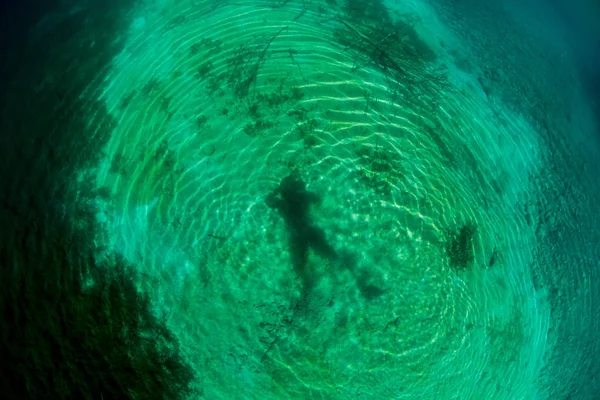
point(421, 181)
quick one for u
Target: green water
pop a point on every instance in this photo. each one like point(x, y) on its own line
point(335, 200)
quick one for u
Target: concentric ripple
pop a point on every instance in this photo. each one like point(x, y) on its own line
point(420, 180)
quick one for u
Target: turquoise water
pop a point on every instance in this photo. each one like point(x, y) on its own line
point(302, 200)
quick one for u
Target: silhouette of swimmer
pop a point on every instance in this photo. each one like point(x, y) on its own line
point(293, 202)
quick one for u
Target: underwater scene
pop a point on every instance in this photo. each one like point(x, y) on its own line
point(300, 199)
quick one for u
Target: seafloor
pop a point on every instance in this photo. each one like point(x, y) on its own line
point(335, 199)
